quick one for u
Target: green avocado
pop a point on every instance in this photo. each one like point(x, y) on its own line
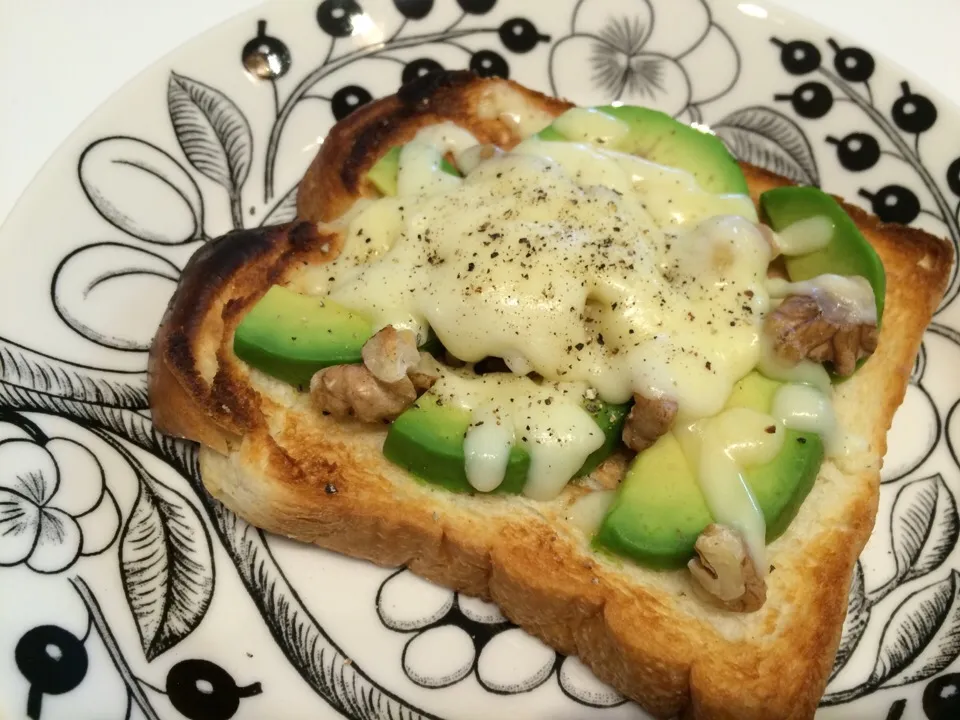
point(550, 134)
point(427, 441)
point(610, 419)
point(290, 336)
point(659, 511)
point(782, 484)
point(847, 253)
point(659, 138)
point(383, 174)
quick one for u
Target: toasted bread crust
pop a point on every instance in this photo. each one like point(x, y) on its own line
point(270, 459)
point(361, 138)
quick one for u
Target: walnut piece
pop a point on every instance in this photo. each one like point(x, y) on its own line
point(647, 421)
point(724, 570)
point(802, 328)
point(353, 391)
point(393, 375)
point(425, 373)
point(390, 353)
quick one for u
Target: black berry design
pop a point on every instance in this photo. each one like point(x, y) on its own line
point(336, 16)
point(487, 63)
point(857, 151)
point(810, 100)
point(347, 99)
point(418, 68)
point(414, 9)
point(953, 176)
point(520, 35)
point(265, 56)
point(53, 660)
point(912, 112)
point(893, 203)
point(476, 7)
point(941, 697)
point(853, 64)
point(202, 690)
point(798, 57)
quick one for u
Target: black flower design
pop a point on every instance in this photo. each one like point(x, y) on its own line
point(623, 54)
point(48, 520)
point(454, 635)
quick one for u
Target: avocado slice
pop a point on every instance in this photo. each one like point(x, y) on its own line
point(659, 138)
point(384, 172)
point(609, 418)
point(782, 484)
point(847, 253)
point(660, 510)
point(427, 441)
point(290, 336)
point(550, 134)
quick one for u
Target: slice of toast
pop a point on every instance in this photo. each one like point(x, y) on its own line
point(272, 459)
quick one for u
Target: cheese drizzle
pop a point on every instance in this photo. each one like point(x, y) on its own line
point(597, 271)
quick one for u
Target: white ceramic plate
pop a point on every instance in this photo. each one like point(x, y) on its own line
point(125, 591)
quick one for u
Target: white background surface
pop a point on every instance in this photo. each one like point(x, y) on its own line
point(60, 59)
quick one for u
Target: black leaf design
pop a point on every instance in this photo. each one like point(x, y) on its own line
point(32, 370)
point(922, 636)
point(212, 131)
point(321, 663)
point(924, 526)
point(764, 137)
point(858, 615)
point(142, 190)
point(284, 210)
point(919, 365)
point(166, 564)
point(135, 426)
point(109, 274)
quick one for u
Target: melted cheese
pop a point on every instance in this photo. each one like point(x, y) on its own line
point(719, 448)
point(588, 125)
point(419, 168)
point(806, 408)
point(486, 447)
point(515, 109)
point(545, 418)
point(603, 273)
point(560, 272)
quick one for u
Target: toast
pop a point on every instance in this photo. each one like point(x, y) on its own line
point(282, 466)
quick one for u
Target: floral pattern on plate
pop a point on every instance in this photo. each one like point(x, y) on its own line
point(131, 581)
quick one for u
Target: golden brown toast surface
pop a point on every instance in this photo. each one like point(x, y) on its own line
point(289, 470)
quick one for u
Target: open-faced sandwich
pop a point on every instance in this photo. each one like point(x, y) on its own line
point(576, 361)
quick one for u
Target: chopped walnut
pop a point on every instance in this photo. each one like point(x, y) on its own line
point(390, 354)
point(354, 391)
point(724, 570)
point(647, 421)
point(369, 391)
point(801, 327)
point(425, 373)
